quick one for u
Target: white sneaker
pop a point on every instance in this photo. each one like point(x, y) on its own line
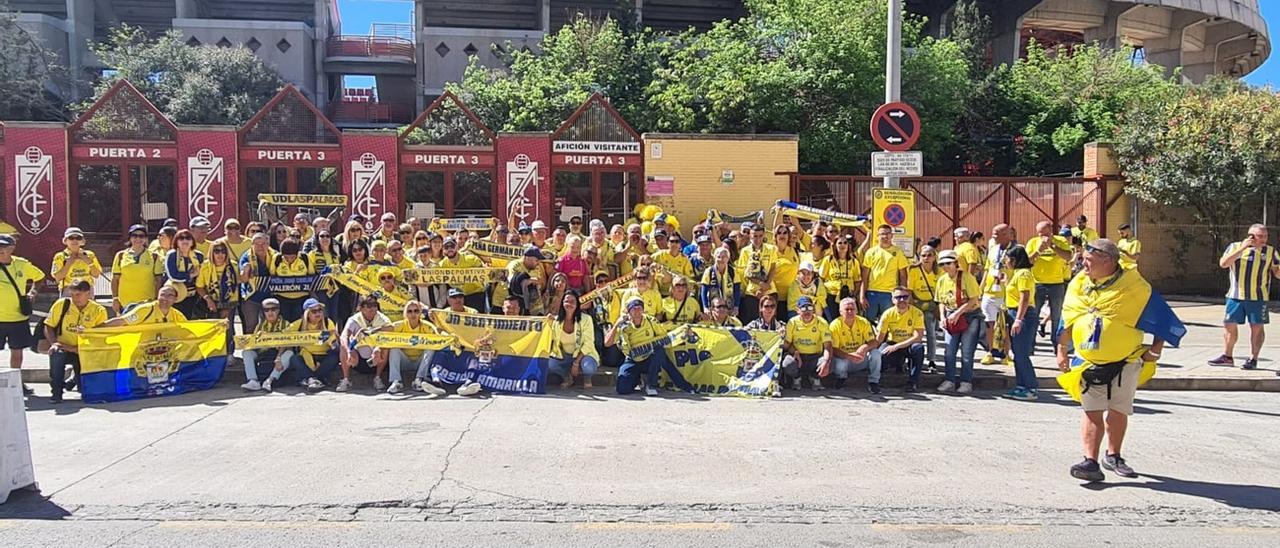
point(946, 386)
point(266, 385)
point(251, 386)
point(650, 391)
point(314, 385)
point(416, 385)
point(470, 389)
point(965, 388)
point(344, 386)
point(777, 391)
point(426, 386)
point(817, 385)
point(395, 387)
point(795, 384)
point(379, 384)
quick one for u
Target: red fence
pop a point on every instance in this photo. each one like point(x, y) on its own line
point(944, 203)
point(369, 46)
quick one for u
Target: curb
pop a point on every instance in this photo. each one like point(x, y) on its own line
point(927, 380)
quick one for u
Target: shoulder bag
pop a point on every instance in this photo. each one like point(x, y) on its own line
point(961, 322)
point(43, 344)
point(24, 302)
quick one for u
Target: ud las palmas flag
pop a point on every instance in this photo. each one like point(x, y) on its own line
point(453, 276)
point(502, 353)
point(837, 218)
point(1127, 299)
point(718, 361)
point(140, 361)
point(363, 287)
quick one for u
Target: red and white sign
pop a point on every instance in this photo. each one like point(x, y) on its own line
point(594, 147)
point(522, 188)
point(107, 153)
point(447, 159)
point(34, 171)
point(369, 187)
point(895, 127)
point(291, 155)
point(206, 179)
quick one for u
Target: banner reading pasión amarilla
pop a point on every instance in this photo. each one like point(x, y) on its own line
point(125, 363)
point(502, 353)
point(723, 362)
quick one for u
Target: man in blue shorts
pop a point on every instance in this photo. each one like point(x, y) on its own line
point(1252, 264)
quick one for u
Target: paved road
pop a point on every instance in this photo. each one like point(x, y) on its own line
point(223, 468)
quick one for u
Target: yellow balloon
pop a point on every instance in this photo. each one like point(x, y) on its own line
point(637, 209)
point(646, 227)
point(673, 222)
point(649, 212)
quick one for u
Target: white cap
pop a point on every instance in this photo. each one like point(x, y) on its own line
point(806, 265)
point(538, 225)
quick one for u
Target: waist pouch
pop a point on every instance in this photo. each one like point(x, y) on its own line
point(1102, 374)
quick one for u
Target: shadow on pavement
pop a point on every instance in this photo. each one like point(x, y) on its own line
point(1207, 407)
point(27, 504)
point(1250, 497)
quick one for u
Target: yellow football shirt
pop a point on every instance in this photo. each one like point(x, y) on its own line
point(1021, 280)
point(900, 325)
point(807, 337)
point(138, 274)
point(883, 266)
point(847, 337)
point(71, 317)
point(1046, 265)
point(81, 269)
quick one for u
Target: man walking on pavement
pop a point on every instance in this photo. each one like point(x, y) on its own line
point(1252, 263)
point(1105, 314)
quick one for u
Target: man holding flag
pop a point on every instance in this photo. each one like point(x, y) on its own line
point(1106, 311)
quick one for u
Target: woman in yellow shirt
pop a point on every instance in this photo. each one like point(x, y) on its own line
point(1022, 319)
point(574, 353)
point(681, 307)
point(922, 279)
point(786, 266)
point(218, 286)
point(959, 298)
point(841, 275)
point(806, 284)
point(135, 272)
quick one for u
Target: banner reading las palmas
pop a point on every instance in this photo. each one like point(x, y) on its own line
point(502, 353)
point(724, 362)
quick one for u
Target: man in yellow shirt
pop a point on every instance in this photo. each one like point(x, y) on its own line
point(675, 261)
point(160, 310)
point(200, 228)
point(527, 279)
point(968, 257)
point(901, 337)
point(807, 347)
point(474, 293)
point(756, 265)
point(235, 240)
point(21, 276)
point(642, 340)
point(884, 267)
point(1050, 255)
point(68, 317)
point(1082, 231)
point(75, 262)
point(1130, 248)
point(854, 346)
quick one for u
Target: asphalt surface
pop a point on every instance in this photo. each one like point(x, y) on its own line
point(222, 468)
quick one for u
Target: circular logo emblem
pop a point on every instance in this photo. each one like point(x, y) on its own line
point(33, 154)
point(894, 215)
point(522, 162)
point(877, 194)
point(367, 160)
point(205, 156)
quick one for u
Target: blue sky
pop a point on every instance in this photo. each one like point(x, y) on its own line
point(1269, 72)
point(357, 15)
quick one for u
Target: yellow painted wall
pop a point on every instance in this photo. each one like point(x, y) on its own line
point(698, 161)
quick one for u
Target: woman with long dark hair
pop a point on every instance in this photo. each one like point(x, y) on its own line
point(1022, 318)
point(574, 351)
point(841, 273)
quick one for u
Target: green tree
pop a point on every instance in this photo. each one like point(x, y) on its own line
point(1213, 149)
point(30, 77)
point(189, 84)
point(1059, 99)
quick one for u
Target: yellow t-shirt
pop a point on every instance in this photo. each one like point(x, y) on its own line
point(215, 279)
point(807, 337)
point(464, 260)
point(923, 283)
point(721, 283)
point(689, 313)
point(81, 269)
point(324, 325)
point(1046, 265)
point(403, 326)
point(1086, 235)
point(815, 291)
point(92, 315)
point(137, 275)
point(678, 264)
point(947, 289)
point(22, 271)
point(1021, 280)
point(633, 336)
point(652, 301)
point(1132, 246)
point(149, 313)
point(967, 254)
point(785, 270)
point(237, 250)
point(847, 337)
point(281, 267)
point(899, 325)
point(883, 266)
point(837, 274)
point(753, 267)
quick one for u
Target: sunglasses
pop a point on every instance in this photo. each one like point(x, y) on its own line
point(642, 277)
point(421, 239)
point(901, 297)
point(137, 235)
point(806, 307)
point(768, 306)
point(233, 228)
point(413, 311)
point(325, 236)
point(219, 251)
point(722, 307)
point(186, 239)
point(271, 309)
point(575, 222)
point(405, 233)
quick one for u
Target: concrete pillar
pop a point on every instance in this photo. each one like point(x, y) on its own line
point(1108, 34)
point(319, 82)
point(1007, 46)
point(186, 9)
point(80, 24)
point(546, 16)
point(1167, 52)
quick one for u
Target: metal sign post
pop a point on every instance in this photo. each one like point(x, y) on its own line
point(893, 66)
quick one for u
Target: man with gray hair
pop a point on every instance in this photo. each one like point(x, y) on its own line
point(968, 258)
point(1251, 264)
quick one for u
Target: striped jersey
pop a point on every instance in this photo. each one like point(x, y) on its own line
point(1251, 273)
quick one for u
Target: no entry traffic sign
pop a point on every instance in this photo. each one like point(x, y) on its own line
point(895, 127)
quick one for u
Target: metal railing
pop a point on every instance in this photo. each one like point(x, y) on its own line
point(369, 46)
point(369, 111)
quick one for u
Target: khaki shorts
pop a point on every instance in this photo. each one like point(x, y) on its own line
point(1123, 389)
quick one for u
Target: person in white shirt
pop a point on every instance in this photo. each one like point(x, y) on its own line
point(360, 356)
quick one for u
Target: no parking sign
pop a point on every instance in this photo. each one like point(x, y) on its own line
point(896, 208)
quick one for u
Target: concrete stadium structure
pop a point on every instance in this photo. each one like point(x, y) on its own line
point(303, 39)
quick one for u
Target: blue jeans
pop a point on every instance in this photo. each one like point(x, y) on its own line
point(913, 355)
point(58, 362)
point(562, 366)
point(325, 366)
point(397, 359)
point(1055, 294)
point(967, 344)
point(1022, 344)
point(877, 303)
point(841, 367)
point(629, 374)
point(251, 358)
point(930, 333)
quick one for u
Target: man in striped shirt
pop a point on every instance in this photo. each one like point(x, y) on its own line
point(1252, 263)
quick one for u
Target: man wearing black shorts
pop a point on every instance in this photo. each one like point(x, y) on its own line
point(20, 276)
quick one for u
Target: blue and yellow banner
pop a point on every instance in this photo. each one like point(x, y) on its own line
point(723, 362)
point(140, 361)
point(502, 353)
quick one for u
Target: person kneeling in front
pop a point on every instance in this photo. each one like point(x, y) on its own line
point(901, 336)
point(360, 356)
point(413, 322)
point(273, 358)
point(854, 346)
point(68, 317)
point(315, 362)
point(808, 346)
point(640, 337)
